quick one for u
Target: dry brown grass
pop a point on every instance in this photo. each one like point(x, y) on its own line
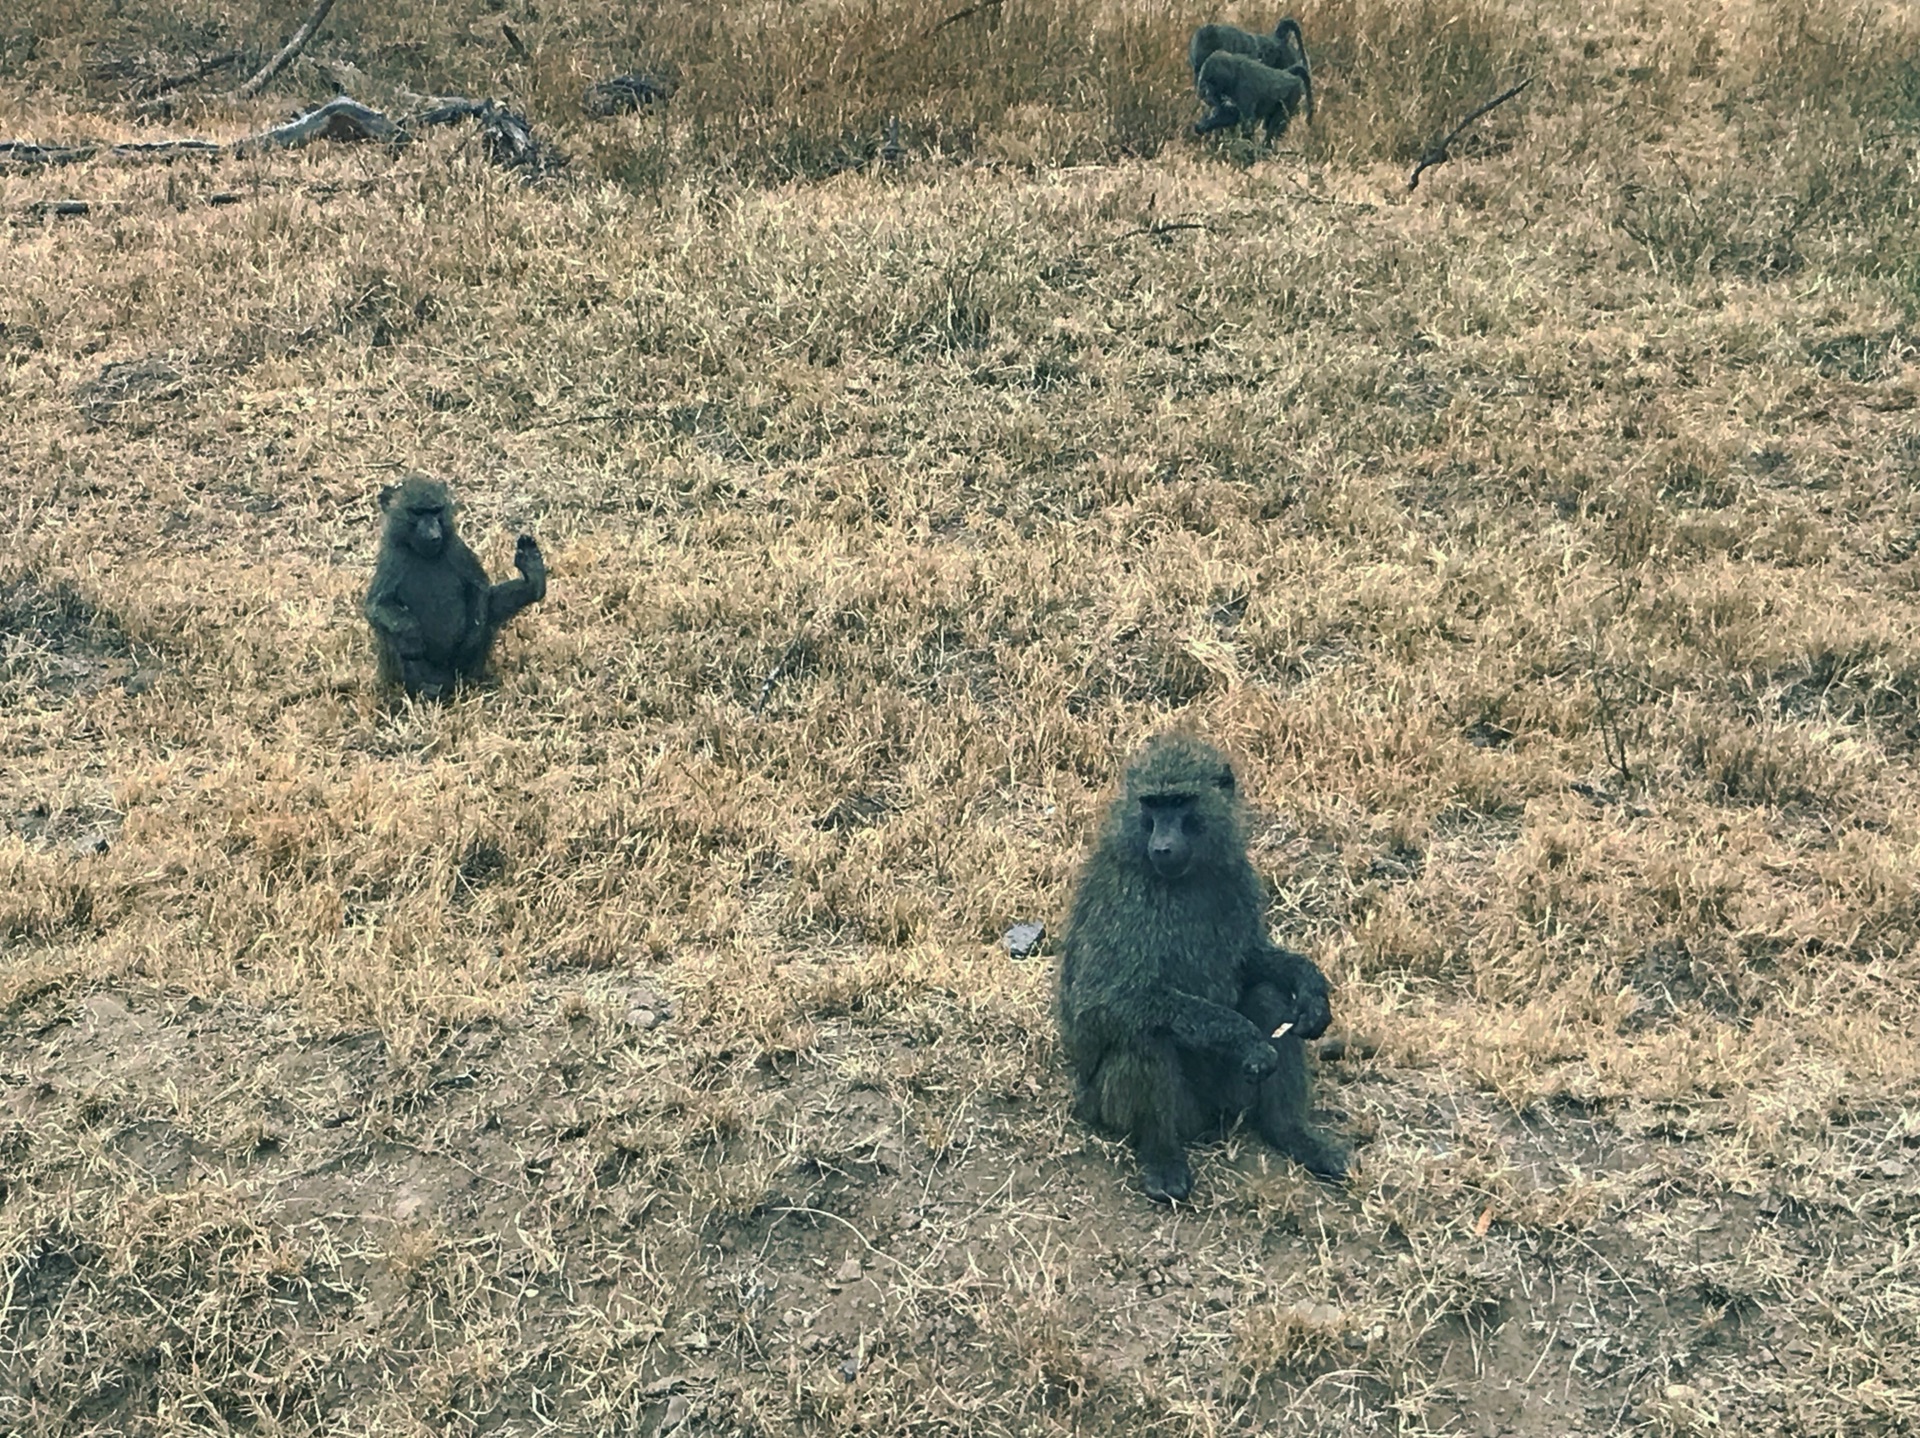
point(595, 1055)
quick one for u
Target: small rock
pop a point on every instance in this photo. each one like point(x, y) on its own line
point(850, 1368)
point(642, 1018)
point(850, 1272)
point(1317, 1315)
point(676, 1412)
point(139, 682)
point(1682, 1395)
point(89, 844)
point(1023, 940)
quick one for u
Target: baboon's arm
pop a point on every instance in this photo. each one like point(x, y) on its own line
point(508, 598)
point(1298, 975)
point(387, 614)
point(1194, 1023)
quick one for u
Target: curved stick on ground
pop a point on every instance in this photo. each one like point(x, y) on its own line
point(1437, 154)
point(339, 119)
point(279, 62)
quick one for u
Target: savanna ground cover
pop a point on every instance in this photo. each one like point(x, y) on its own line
point(629, 1047)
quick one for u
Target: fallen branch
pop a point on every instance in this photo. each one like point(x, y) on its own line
point(279, 62)
point(339, 119)
point(1437, 154)
point(508, 134)
point(28, 153)
point(510, 140)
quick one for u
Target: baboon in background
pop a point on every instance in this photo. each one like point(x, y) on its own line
point(1170, 990)
point(1239, 88)
point(434, 613)
point(1283, 49)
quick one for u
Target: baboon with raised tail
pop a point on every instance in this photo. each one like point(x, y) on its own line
point(1283, 49)
point(1176, 1010)
point(434, 612)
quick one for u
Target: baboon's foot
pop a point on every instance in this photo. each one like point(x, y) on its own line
point(1322, 1159)
point(1166, 1180)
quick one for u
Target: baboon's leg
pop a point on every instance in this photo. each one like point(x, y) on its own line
point(1283, 1100)
point(1276, 125)
point(1143, 1093)
point(424, 679)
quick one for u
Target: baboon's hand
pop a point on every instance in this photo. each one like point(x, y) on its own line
point(1259, 1058)
point(1311, 1014)
point(527, 557)
point(407, 640)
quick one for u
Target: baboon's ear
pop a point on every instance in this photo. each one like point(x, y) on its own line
point(1225, 781)
point(387, 492)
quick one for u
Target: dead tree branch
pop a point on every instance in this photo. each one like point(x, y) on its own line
point(1437, 154)
point(510, 141)
point(338, 119)
point(279, 62)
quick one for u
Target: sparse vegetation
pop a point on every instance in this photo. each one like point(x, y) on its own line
point(629, 1048)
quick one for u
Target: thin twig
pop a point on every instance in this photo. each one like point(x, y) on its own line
point(774, 676)
point(788, 658)
point(160, 84)
point(960, 15)
point(287, 52)
point(1437, 154)
point(1158, 228)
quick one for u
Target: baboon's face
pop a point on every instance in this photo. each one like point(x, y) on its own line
point(1178, 816)
point(425, 529)
point(419, 516)
point(1170, 829)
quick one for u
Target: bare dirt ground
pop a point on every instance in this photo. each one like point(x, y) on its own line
point(628, 1046)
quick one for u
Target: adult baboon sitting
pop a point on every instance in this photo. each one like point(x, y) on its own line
point(1172, 997)
point(434, 613)
point(1283, 49)
point(1239, 89)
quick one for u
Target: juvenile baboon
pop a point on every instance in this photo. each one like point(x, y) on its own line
point(434, 613)
point(1283, 49)
point(1170, 989)
point(1239, 88)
